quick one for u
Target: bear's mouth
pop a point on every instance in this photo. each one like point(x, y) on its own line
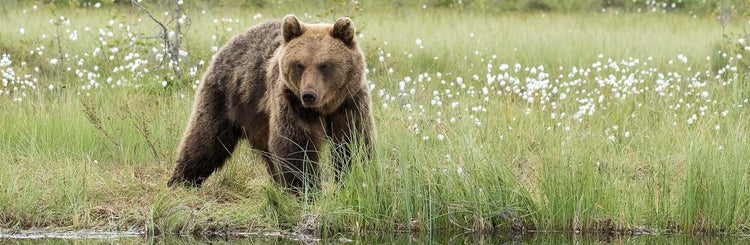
point(310, 105)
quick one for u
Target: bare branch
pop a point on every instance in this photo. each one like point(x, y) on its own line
point(177, 40)
point(164, 35)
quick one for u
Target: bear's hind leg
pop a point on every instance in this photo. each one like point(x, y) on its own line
point(207, 144)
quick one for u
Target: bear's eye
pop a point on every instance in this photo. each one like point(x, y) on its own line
point(324, 67)
point(299, 66)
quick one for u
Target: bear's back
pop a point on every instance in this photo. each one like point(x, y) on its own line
point(238, 72)
point(243, 60)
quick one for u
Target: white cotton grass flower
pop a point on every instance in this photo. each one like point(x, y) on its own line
point(692, 119)
point(682, 58)
point(22, 31)
point(5, 61)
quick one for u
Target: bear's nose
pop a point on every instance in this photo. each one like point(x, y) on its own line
point(308, 97)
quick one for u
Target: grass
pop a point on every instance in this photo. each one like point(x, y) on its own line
point(622, 134)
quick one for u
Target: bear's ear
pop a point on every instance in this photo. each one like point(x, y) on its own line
point(291, 28)
point(343, 29)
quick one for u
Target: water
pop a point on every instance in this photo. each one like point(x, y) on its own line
point(94, 237)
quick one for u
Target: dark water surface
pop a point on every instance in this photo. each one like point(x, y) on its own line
point(285, 238)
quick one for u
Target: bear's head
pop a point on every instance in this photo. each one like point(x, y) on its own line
point(321, 63)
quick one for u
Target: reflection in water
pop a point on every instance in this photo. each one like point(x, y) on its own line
point(528, 238)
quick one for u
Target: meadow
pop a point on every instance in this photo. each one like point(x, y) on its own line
point(605, 121)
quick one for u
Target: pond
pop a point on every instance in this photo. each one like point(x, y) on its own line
point(95, 237)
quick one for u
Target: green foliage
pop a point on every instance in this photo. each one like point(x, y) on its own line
point(729, 61)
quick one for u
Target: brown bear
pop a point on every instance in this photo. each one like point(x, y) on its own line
point(287, 87)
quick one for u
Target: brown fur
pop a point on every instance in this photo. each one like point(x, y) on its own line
point(253, 90)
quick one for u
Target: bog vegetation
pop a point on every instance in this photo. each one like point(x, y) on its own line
point(622, 116)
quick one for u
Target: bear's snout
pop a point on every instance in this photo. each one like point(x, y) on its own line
point(309, 98)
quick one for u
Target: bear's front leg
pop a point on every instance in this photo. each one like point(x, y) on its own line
point(293, 145)
point(350, 126)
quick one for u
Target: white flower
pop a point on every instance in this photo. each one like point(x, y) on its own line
point(441, 137)
point(53, 61)
point(163, 83)
point(692, 119)
point(22, 31)
point(418, 41)
point(5, 61)
point(97, 5)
